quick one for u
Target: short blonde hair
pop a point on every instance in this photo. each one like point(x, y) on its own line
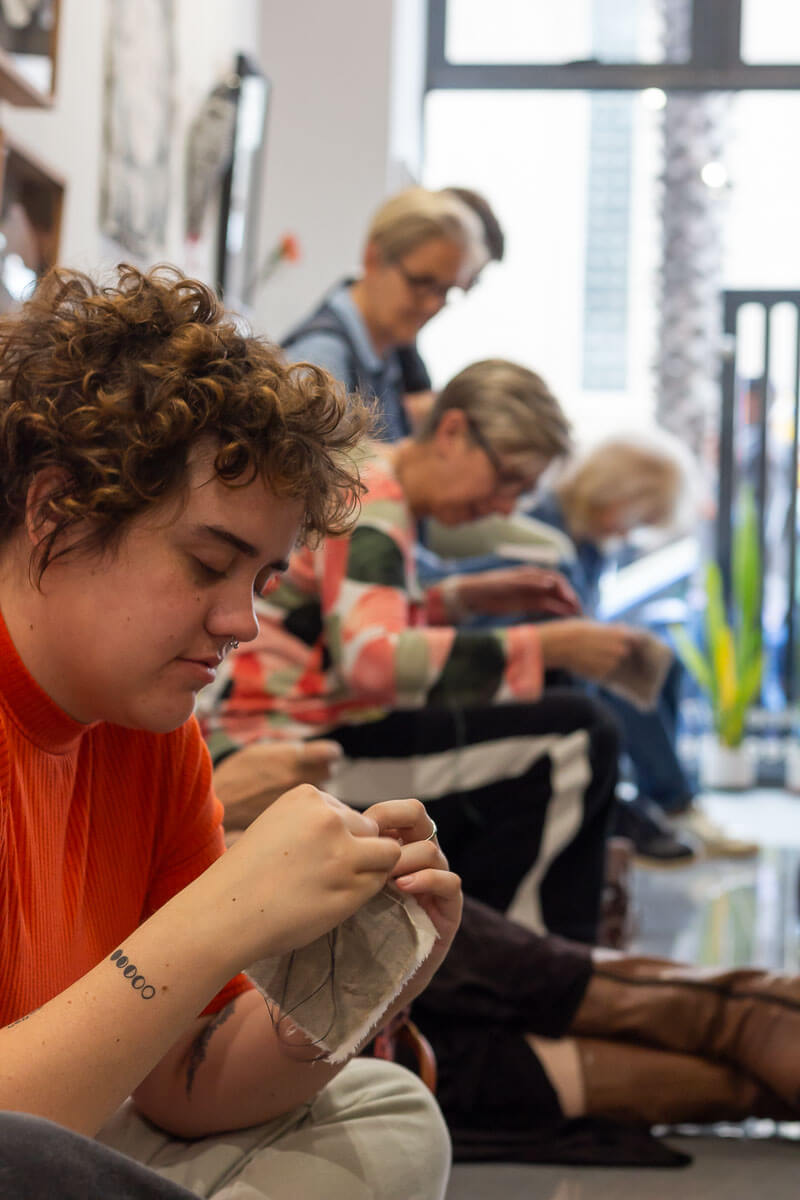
point(512, 408)
point(415, 216)
point(653, 470)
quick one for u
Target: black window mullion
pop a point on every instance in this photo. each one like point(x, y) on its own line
point(715, 63)
point(716, 33)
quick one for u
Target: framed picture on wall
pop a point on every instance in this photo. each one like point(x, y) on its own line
point(240, 193)
point(28, 43)
point(138, 126)
point(31, 202)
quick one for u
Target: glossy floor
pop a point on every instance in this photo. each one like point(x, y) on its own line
point(715, 912)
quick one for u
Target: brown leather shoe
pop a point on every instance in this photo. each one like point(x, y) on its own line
point(762, 1031)
point(643, 1086)
point(748, 1018)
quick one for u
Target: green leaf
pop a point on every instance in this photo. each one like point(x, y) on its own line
point(693, 659)
point(732, 720)
point(729, 667)
point(751, 680)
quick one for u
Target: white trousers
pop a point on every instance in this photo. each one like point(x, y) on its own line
point(374, 1133)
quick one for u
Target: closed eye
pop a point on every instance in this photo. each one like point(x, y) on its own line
point(207, 573)
point(264, 582)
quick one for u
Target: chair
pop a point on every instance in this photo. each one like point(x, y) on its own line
point(401, 1041)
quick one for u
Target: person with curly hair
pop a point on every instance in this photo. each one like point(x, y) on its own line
point(157, 466)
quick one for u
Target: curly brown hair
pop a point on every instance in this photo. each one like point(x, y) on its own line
point(113, 385)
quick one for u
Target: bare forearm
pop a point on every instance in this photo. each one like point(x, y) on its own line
point(304, 865)
point(554, 640)
point(76, 1058)
point(234, 1072)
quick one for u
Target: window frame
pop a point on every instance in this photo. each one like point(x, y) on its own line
point(715, 63)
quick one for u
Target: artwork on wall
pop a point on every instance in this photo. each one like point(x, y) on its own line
point(31, 200)
point(28, 34)
point(241, 187)
point(138, 124)
point(224, 163)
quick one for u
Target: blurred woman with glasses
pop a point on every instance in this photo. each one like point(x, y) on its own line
point(420, 245)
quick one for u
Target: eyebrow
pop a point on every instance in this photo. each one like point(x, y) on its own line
point(250, 551)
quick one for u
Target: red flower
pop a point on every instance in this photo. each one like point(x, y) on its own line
point(286, 249)
point(290, 247)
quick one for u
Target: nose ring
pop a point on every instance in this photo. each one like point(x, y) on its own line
point(233, 644)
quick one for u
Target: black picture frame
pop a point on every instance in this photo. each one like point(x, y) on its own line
point(241, 186)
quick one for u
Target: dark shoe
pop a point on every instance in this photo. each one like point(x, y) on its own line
point(647, 827)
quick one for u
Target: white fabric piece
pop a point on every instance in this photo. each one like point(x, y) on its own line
point(336, 989)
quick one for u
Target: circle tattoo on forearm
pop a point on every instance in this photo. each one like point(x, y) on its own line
point(137, 981)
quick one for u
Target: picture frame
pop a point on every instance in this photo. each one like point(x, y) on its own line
point(31, 206)
point(240, 188)
point(28, 51)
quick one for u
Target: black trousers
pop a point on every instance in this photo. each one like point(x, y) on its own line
point(521, 794)
point(499, 982)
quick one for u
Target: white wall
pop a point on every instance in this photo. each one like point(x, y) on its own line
point(327, 149)
point(68, 137)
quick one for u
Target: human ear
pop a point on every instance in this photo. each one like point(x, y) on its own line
point(373, 259)
point(451, 429)
point(41, 515)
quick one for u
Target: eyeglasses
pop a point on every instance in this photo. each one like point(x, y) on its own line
point(508, 482)
point(425, 287)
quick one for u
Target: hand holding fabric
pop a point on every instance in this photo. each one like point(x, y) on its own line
point(301, 868)
point(591, 649)
point(327, 998)
point(422, 870)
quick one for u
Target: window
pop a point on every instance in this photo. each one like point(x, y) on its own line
point(573, 178)
point(518, 31)
point(576, 175)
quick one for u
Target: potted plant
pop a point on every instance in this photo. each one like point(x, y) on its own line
point(728, 663)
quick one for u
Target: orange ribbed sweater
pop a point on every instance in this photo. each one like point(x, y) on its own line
point(99, 826)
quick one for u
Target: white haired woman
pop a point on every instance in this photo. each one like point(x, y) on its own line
point(624, 483)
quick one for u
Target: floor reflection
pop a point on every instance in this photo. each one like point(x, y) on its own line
point(722, 913)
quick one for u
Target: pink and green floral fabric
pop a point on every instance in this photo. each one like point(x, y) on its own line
point(347, 636)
